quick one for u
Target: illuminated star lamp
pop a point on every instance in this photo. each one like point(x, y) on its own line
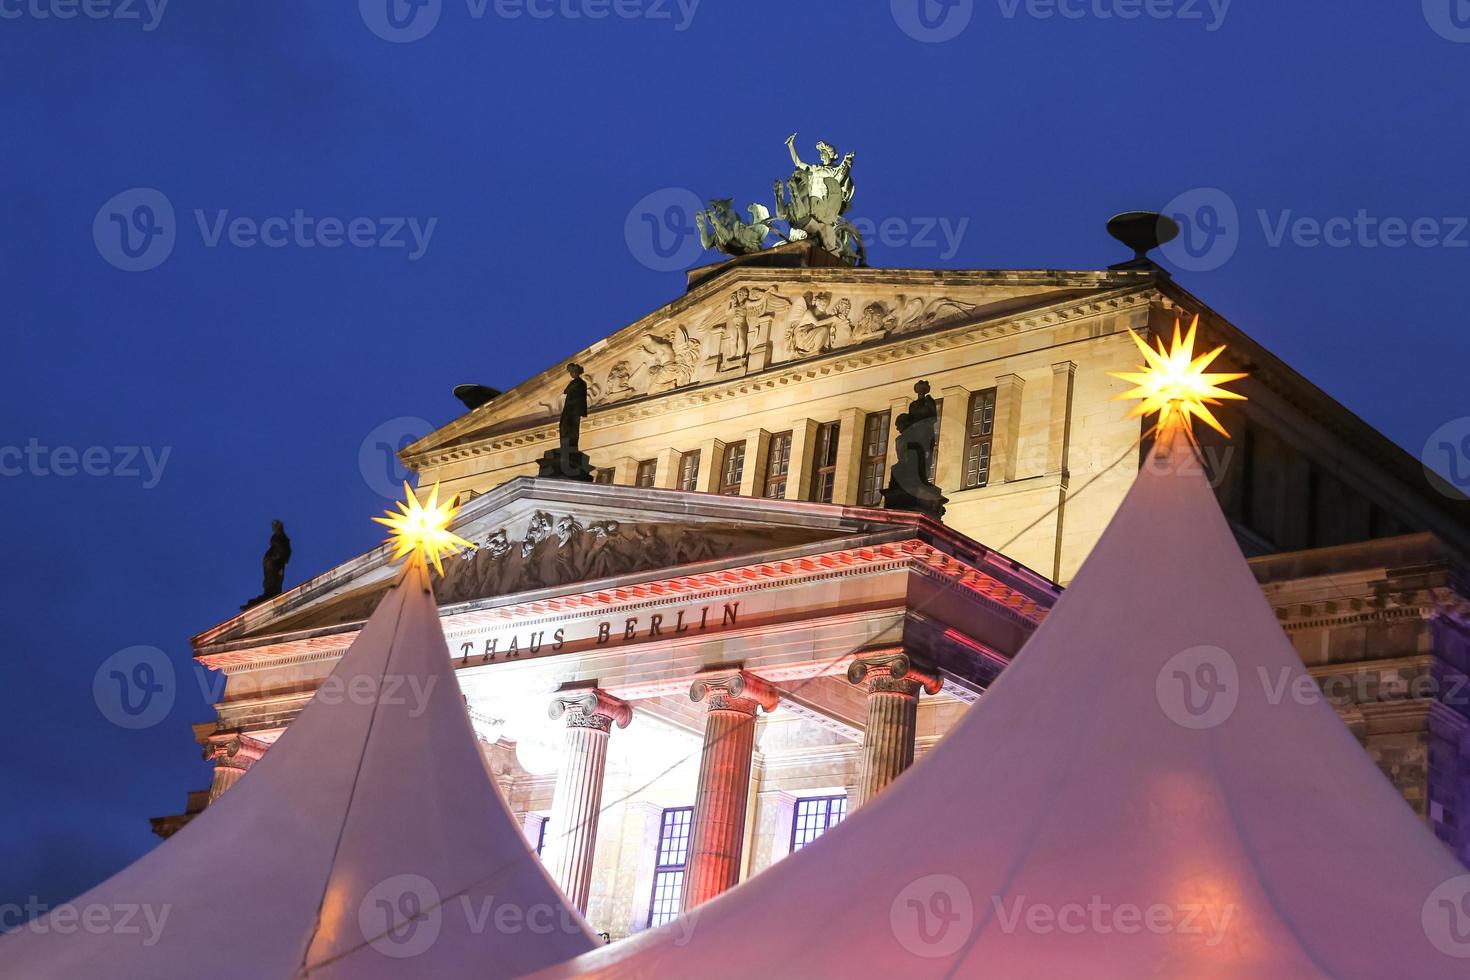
point(1174, 384)
point(422, 529)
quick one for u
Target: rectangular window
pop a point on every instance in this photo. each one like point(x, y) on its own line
point(979, 430)
point(875, 459)
point(604, 475)
point(734, 469)
point(778, 462)
point(824, 462)
point(668, 872)
point(814, 817)
point(689, 471)
point(647, 470)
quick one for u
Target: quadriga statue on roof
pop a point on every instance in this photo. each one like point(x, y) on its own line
point(811, 203)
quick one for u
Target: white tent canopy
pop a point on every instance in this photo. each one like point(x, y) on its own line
point(368, 842)
point(1152, 789)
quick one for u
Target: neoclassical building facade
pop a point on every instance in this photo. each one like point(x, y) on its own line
point(694, 665)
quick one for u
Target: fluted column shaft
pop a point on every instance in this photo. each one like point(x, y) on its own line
point(893, 684)
point(888, 741)
point(717, 834)
point(576, 802)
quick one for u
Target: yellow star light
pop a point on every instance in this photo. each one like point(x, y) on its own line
point(1174, 383)
point(423, 529)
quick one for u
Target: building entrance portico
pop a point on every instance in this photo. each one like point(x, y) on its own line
point(663, 682)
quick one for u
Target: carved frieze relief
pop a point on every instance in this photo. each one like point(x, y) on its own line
point(560, 550)
point(756, 327)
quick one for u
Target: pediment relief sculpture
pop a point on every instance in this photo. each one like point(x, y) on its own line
point(757, 326)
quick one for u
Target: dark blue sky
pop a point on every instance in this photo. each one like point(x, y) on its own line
point(530, 142)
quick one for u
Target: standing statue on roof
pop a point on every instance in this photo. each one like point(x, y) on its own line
point(815, 198)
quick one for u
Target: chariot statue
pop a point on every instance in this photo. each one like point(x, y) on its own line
point(810, 203)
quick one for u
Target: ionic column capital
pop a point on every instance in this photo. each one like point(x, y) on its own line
point(893, 673)
point(238, 751)
point(734, 690)
point(591, 709)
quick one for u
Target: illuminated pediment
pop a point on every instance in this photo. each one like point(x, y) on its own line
point(752, 321)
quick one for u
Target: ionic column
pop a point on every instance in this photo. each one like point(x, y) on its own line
point(232, 757)
point(893, 684)
point(577, 800)
point(718, 831)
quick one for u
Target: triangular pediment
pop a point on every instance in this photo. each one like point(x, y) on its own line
point(533, 536)
point(749, 320)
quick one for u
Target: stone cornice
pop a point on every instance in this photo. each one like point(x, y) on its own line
point(1427, 604)
point(1024, 599)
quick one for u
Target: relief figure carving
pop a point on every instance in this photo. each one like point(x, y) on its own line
point(814, 331)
